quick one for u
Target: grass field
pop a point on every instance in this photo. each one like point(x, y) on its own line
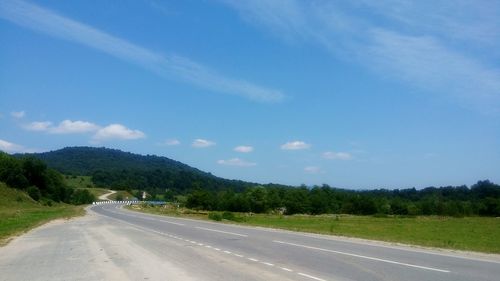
point(480, 234)
point(19, 213)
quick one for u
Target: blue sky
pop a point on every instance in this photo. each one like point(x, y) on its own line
point(355, 94)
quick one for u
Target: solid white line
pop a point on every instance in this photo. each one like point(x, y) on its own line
point(363, 257)
point(310, 276)
point(226, 232)
point(171, 222)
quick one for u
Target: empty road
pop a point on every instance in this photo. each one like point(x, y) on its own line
point(112, 243)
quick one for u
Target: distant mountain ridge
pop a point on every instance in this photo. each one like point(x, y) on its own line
point(114, 168)
point(84, 160)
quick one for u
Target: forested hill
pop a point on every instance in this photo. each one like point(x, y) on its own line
point(86, 160)
point(124, 170)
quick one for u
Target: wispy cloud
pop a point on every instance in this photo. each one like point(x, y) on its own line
point(313, 170)
point(337, 155)
point(171, 142)
point(295, 145)
point(173, 66)
point(18, 114)
point(236, 162)
point(243, 149)
point(442, 48)
point(202, 143)
point(40, 126)
point(117, 132)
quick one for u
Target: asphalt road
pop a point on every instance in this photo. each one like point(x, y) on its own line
point(112, 243)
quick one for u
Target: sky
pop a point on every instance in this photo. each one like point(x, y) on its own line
point(354, 94)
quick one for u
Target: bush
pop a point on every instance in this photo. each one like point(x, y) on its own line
point(82, 196)
point(228, 216)
point(34, 193)
point(119, 197)
point(216, 216)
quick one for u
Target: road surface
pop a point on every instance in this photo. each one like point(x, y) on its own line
point(112, 243)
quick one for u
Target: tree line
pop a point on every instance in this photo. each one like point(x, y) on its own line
point(482, 198)
point(41, 183)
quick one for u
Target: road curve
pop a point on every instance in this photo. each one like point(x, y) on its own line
point(112, 243)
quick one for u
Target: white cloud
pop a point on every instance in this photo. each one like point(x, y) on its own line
point(243, 149)
point(74, 127)
point(201, 143)
point(64, 127)
point(295, 145)
point(18, 114)
point(117, 131)
point(236, 162)
point(51, 23)
point(312, 170)
point(440, 48)
point(38, 126)
point(10, 147)
point(337, 155)
point(171, 142)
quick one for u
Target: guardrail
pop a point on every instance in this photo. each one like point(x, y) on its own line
point(129, 202)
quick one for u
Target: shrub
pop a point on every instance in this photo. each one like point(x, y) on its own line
point(34, 193)
point(216, 216)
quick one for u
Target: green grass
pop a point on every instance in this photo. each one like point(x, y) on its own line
point(480, 234)
point(124, 194)
point(19, 213)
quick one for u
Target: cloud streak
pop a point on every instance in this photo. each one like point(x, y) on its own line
point(236, 162)
point(18, 114)
point(243, 149)
point(295, 145)
point(178, 67)
point(202, 143)
point(337, 155)
point(437, 47)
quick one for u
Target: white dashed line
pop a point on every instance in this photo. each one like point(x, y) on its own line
point(363, 257)
point(268, 263)
point(310, 276)
point(220, 231)
point(286, 269)
point(227, 252)
point(252, 259)
point(239, 256)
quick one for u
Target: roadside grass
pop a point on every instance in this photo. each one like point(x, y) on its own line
point(121, 194)
point(481, 234)
point(19, 213)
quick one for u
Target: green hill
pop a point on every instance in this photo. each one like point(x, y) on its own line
point(112, 168)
